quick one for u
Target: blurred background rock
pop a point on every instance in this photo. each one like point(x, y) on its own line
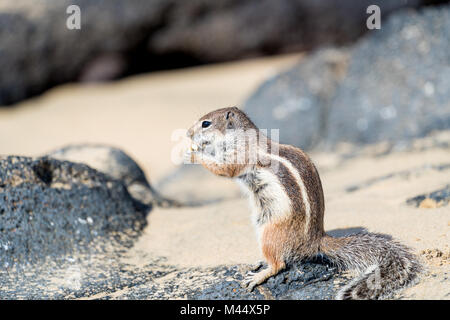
point(124, 37)
point(392, 86)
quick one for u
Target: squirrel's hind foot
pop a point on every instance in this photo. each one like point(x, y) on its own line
point(254, 279)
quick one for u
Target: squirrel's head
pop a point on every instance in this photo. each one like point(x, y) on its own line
point(214, 126)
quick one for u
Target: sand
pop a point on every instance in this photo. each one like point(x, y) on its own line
point(139, 115)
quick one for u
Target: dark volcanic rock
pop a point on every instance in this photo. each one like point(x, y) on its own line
point(307, 281)
point(38, 50)
point(118, 165)
point(440, 197)
point(49, 208)
point(120, 37)
point(229, 29)
point(398, 82)
point(110, 276)
point(393, 85)
point(97, 275)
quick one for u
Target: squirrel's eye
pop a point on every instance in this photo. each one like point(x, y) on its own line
point(206, 124)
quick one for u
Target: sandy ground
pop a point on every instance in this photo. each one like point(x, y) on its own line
point(139, 115)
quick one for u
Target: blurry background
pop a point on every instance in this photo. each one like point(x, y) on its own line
point(120, 38)
point(371, 107)
point(393, 85)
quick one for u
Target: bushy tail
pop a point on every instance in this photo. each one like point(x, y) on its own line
point(384, 264)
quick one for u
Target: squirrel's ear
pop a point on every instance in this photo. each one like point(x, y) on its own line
point(230, 114)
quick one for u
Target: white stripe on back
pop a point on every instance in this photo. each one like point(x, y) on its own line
point(300, 183)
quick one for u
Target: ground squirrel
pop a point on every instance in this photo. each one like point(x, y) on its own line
point(287, 203)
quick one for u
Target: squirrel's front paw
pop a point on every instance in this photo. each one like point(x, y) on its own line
point(190, 157)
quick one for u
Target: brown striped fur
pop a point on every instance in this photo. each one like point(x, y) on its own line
point(288, 210)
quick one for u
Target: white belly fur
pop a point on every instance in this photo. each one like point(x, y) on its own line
point(277, 202)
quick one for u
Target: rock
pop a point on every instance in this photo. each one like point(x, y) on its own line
point(391, 86)
point(297, 101)
point(229, 29)
point(52, 208)
point(53, 54)
point(306, 281)
point(118, 165)
point(120, 37)
point(82, 276)
point(193, 185)
point(397, 84)
point(109, 276)
point(433, 199)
